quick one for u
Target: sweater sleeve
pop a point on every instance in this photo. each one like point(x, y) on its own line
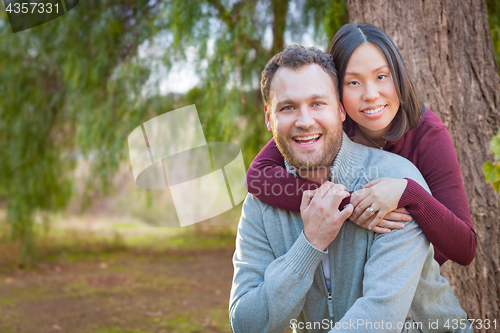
point(444, 216)
point(409, 277)
point(388, 293)
point(268, 180)
point(268, 292)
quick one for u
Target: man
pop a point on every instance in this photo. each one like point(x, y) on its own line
point(369, 282)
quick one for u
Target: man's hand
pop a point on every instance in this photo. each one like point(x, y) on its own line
point(320, 212)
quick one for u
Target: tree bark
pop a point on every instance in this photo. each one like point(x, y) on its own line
point(447, 48)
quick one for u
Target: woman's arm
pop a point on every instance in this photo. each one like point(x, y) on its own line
point(452, 235)
point(268, 180)
point(444, 216)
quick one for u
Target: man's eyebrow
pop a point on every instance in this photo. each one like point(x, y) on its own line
point(317, 96)
point(375, 70)
point(285, 101)
point(290, 101)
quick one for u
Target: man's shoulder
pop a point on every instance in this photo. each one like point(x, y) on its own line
point(378, 156)
point(280, 228)
point(256, 209)
point(253, 203)
point(251, 218)
point(389, 160)
point(381, 163)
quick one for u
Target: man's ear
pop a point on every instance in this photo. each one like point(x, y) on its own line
point(342, 112)
point(268, 119)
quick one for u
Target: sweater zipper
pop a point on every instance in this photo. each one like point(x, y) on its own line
point(330, 299)
point(330, 302)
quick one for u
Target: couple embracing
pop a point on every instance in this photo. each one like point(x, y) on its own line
point(341, 233)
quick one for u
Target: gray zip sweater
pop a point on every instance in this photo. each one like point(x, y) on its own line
point(379, 282)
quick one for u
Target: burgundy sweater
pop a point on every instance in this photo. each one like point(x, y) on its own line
point(444, 216)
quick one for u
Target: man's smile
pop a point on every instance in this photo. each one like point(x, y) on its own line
point(307, 139)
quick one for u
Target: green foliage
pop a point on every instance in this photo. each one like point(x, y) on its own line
point(491, 170)
point(494, 23)
point(327, 22)
point(231, 42)
point(75, 87)
point(68, 89)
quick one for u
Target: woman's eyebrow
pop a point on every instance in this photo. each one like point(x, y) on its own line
point(381, 67)
point(375, 70)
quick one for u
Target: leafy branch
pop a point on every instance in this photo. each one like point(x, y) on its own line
point(491, 169)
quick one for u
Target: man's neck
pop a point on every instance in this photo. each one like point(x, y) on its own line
point(319, 175)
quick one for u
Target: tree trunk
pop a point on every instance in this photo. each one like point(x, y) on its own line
point(448, 51)
point(280, 8)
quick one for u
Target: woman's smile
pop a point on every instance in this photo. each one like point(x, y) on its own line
point(374, 112)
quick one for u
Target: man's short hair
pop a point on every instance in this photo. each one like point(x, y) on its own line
point(295, 57)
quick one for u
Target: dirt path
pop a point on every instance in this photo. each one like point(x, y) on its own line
point(175, 291)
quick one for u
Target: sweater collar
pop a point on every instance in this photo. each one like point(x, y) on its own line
point(395, 147)
point(345, 165)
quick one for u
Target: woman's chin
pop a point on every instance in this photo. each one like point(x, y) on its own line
point(373, 127)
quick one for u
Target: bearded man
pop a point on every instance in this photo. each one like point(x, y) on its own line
point(311, 271)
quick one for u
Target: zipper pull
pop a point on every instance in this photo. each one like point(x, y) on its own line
point(330, 303)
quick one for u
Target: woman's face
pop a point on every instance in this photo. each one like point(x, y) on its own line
point(369, 95)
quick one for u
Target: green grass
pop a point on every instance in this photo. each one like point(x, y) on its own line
point(20, 295)
point(71, 239)
point(119, 330)
point(114, 261)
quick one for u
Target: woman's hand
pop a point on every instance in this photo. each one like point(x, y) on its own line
point(390, 221)
point(383, 196)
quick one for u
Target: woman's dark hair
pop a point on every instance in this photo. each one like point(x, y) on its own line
point(345, 41)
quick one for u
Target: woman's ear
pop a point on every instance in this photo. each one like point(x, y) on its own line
point(342, 112)
point(268, 119)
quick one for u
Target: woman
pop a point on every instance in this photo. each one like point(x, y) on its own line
point(383, 112)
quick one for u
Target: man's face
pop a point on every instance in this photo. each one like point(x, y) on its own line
point(305, 116)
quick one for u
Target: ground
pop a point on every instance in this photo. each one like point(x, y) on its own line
point(173, 292)
point(79, 284)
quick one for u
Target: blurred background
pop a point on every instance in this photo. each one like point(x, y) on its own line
point(82, 248)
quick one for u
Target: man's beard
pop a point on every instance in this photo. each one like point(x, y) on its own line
point(323, 159)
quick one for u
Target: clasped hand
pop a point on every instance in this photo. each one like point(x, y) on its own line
point(320, 213)
point(383, 196)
